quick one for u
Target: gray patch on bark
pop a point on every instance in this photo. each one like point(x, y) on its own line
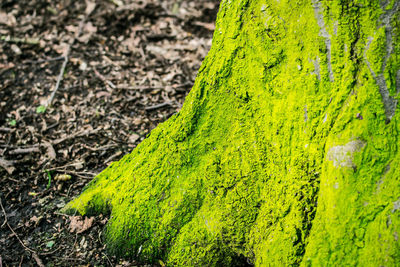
point(335, 27)
point(389, 102)
point(316, 68)
point(342, 156)
point(380, 182)
point(305, 114)
point(398, 81)
point(383, 3)
point(396, 206)
point(319, 15)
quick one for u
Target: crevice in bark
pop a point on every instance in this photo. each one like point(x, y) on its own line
point(317, 67)
point(389, 102)
point(319, 15)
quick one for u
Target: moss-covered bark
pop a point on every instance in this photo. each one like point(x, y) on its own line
point(285, 152)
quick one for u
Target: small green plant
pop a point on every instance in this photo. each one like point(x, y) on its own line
point(50, 244)
point(49, 178)
point(41, 109)
point(12, 122)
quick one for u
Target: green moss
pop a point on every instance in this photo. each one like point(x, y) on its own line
point(282, 153)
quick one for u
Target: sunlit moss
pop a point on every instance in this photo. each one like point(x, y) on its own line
point(251, 169)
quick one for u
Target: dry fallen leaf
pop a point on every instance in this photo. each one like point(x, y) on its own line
point(71, 28)
point(7, 165)
point(88, 31)
point(61, 48)
point(16, 49)
point(137, 121)
point(89, 28)
point(133, 138)
point(7, 19)
point(50, 150)
point(90, 6)
point(79, 225)
point(36, 219)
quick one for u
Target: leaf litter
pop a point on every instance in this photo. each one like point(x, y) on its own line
point(129, 68)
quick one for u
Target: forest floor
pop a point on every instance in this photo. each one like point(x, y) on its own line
point(129, 66)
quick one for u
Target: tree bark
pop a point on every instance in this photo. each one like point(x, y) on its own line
point(284, 153)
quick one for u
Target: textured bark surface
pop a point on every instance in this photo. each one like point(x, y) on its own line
point(285, 152)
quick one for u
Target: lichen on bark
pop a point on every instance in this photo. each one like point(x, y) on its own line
point(282, 154)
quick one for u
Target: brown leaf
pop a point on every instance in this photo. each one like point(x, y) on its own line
point(61, 48)
point(88, 31)
point(89, 28)
point(90, 6)
point(36, 220)
point(50, 150)
point(133, 138)
point(79, 225)
point(71, 28)
point(7, 165)
point(137, 121)
point(7, 19)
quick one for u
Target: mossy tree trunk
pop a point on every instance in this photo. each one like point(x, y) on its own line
point(286, 150)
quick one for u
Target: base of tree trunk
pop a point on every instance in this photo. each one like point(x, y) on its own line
point(285, 152)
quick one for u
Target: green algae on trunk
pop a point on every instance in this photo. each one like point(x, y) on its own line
point(284, 153)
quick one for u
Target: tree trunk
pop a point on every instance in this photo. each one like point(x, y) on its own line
point(285, 151)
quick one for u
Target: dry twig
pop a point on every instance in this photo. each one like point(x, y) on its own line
point(36, 148)
point(5, 129)
point(27, 150)
point(44, 60)
point(177, 87)
point(38, 260)
point(158, 106)
point(140, 88)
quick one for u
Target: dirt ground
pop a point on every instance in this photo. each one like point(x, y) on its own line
point(128, 66)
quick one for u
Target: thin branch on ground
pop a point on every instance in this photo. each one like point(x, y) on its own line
point(36, 148)
point(44, 60)
point(38, 260)
point(149, 88)
point(105, 147)
point(108, 259)
point(33, 149)
point(5, 129)
point(165, 104)
point(139, 88)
